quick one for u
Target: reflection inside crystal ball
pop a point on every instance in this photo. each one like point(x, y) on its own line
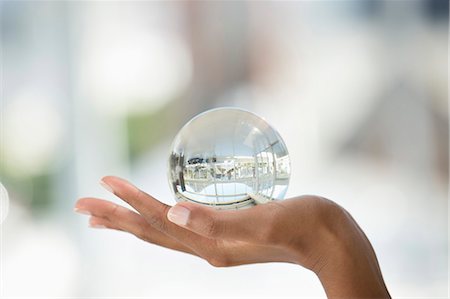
point(228, 158)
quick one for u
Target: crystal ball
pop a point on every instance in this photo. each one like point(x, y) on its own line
point(228, 158)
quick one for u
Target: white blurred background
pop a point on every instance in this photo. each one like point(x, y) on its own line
point(357, 89)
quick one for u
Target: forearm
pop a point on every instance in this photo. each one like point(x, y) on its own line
point(353, 277)
point(351, 269)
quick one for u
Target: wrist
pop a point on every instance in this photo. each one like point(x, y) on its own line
point(348, 267)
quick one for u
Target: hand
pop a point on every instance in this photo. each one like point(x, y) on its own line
point(310, 231)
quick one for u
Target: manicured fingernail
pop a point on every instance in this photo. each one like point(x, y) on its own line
point(106, 186)
point(80, 211)
point(96, 226)
point(178, 215)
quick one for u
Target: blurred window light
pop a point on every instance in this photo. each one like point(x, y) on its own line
point(140, 73)
point(32, 133)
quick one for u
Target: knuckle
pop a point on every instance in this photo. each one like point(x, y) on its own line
point(216, 256)
point(157, 223)
point(138, 196)
point(157, 219)
point(111, 214)
point(219, 261)
point(141, 235)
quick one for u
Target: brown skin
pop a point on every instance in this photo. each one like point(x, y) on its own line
point(310, 231)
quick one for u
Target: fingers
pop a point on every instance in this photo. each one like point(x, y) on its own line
point(260, 224)
point(152, 210)
point(155, 213)
point(223, 238)
point(98, 222)
point(106, 214)
point(120, 216)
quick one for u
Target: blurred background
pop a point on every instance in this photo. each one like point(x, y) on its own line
point(357, 89)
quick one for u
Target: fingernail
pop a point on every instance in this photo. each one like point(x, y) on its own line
point(178, 215)
point(80, 211)
point(106, 186)
point(96, 226)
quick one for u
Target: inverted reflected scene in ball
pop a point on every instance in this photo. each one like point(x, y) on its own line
point(228, 158)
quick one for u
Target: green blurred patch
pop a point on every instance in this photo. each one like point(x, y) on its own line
point(41, 194)
point(32, 191)
point(147, 129)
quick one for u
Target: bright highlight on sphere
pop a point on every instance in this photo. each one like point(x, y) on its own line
point(228, 158)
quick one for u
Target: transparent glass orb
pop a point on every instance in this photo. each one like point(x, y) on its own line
point(228, 158)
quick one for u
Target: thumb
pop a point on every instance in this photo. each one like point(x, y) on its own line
point(254, 224)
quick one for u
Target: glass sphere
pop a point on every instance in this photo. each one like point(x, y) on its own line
point(228, 158)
